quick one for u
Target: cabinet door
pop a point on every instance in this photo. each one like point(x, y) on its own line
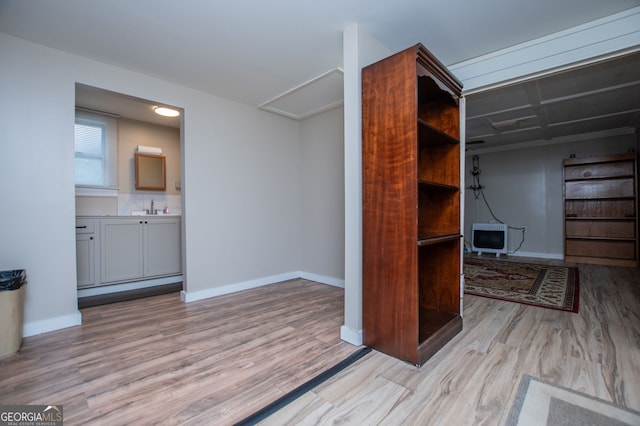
point(122, 249)
point(162, 244)
point(85, 260)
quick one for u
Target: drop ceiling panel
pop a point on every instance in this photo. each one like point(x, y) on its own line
point(479, 127)
point(522, 123)
point(587, 79)
point(591, 125)
point(514, 137)
point(595, 105)
point(523, 113)
point(501, 99)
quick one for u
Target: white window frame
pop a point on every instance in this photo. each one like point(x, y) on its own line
point(109, 157)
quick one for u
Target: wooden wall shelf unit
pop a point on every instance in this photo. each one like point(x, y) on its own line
point(411, 205)
point(601, 210)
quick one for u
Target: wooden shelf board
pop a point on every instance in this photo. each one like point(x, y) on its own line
point(434, 136)
point(425, 240)
point(439, 185)
point(436, 329)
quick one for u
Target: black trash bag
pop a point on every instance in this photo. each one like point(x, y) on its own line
point(12, 280)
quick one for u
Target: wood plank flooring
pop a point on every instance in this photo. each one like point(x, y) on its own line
point(213, 362)
point(473, 379)
point(160, 361)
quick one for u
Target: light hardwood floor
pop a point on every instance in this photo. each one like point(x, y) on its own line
point(216, 361)
point(473, 379)
point(161, 361)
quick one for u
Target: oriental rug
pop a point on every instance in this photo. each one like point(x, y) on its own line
point(547, 286)
point(538, 402)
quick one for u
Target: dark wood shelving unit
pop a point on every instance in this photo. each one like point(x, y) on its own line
point(411, 205)
point(600, 210)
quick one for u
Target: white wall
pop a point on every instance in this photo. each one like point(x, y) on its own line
point(37, 225)
point(524, 187)
point(241, 180)
point(322, 209)
point(242, 196)
point(359, 50)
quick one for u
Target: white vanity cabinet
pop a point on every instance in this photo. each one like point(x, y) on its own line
point(161, 247)
point(136, 248)
point(127, 249)
point(122, 248)
point(85, 252)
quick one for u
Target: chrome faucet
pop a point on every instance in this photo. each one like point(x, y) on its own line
point(152, 211)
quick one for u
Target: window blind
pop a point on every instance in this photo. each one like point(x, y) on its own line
point(96, 151)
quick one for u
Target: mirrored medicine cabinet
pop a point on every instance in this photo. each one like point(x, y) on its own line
point(151, 172)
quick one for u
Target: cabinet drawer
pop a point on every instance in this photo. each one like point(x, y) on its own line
point(620, 208)
point(600, 228)
point(606, 188)
point(85, 226)
point(599, 170)
point(603, 249)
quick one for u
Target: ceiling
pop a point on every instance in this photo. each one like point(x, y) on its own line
point(97, 100)
point(285, 56)
point(579, 104)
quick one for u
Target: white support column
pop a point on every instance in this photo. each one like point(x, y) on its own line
point(359, 50)
point(463, 114)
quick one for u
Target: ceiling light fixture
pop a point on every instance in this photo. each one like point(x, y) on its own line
point(508, 125)
point(166, 112)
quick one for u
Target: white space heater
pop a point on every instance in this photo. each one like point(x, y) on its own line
point(489, 238)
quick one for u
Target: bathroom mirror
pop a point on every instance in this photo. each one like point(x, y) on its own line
point(150, 172)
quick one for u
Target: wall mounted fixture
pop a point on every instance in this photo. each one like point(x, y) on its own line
point(167, 112)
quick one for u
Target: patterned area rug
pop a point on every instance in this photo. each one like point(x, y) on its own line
point(554, 287)
point(538, 402)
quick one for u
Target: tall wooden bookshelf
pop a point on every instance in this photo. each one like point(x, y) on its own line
point(600, 210)
point(411, 205)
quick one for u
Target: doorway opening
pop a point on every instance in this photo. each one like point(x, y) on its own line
point(129, 240)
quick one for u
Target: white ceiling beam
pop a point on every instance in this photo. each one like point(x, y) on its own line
point(608, 37)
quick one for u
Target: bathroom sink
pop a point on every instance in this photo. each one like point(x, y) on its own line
point(144, 213)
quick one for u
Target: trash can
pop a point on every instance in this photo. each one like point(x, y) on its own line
point(11, 310)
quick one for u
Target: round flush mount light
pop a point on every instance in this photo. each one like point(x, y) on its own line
point(166, 112)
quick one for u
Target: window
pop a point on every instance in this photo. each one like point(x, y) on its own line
point(95, 151)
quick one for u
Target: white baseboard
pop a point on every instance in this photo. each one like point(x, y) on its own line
point(187, 296)
point(336, 282)
point(558, 256)
point(50, 324)
point(354, 337)
point(116, 288)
